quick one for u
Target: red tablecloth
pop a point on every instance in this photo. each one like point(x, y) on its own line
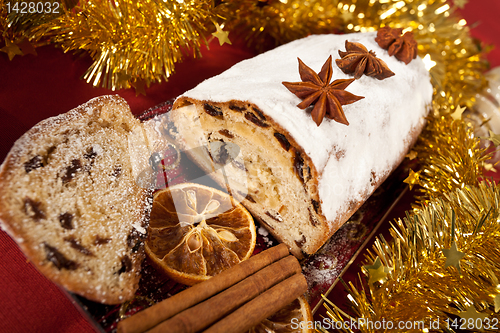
point(33, 88)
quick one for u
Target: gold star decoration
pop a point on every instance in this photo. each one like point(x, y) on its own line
point(497, 302)
point(26, 47)
point(412, 179)
point(494, 138)
point(471, 314)
point(428, 62)
point(460, 3)
point(377, 272)
point(453, 256)
point(122, 76)
point(347, 16)
point(11, 49)
point(489, 167)
point(222, 36)
point(457, 115)
point(412, 155)
point(140, 87)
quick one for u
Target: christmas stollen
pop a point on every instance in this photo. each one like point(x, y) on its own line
point(303, 180)
point(69, 198)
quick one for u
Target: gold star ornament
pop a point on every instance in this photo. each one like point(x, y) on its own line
point(221, 35)
point(453, 256)
point(377, 272)
point(471, 316)
point(140, 87)
point(497, 302)
point(412, 155)
point(347, 16)
point(26, 47)
point(489, 167)
point(494, 138)
point(412, 179)
point(11, 49)
point(457, 115)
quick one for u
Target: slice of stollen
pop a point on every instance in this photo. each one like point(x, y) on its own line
point(69, 198)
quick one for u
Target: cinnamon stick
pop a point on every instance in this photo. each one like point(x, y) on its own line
point(261, 307)
point(161, 311)
point(208, 312)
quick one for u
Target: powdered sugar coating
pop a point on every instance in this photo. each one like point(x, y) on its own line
point(347, 158)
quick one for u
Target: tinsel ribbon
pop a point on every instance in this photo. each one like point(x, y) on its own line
point(419, 286)
point(142, 40)
point(130, 42)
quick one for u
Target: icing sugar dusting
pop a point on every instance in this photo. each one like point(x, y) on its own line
point(326, 273)
point(264, 233)
point(346, 157)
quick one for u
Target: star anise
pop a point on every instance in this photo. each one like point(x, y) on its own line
point(358, 60)
point(403, 47)
point(327, 97)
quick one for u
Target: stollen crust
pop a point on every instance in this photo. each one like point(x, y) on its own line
point(69, 198)
point(302, 181)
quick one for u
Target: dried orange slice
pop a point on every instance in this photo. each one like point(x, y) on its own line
point(296, 317)
point(196, 232)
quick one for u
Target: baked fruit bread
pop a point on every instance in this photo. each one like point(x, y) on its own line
point(69, 198)
point(305, 174)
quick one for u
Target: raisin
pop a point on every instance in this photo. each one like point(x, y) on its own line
point(282, 140)
point(249, 198)
point(312, 220)
point(33, 209)
point(34, 163)
point(373, 179)
point(315, 205)
point(212, 110)
point(134, 241)
point(66, 220)
point(301, 242)
point(117, 171)
point(90, 154)
point(259, 113)
point(77, 246)
point(70, 172)
point(298, 165)
point(226, 133)
point(251, 117)
point(126, 265)
point(49, 152)
point(98, 240)
point(58, 259)
point(237, 108)
point(222, 155)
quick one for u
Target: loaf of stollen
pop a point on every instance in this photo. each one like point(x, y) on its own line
point(306, 171)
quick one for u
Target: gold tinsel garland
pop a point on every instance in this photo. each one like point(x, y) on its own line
point(442, 36)
point(450, 156)
point(441, 269)
point(132, 41)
